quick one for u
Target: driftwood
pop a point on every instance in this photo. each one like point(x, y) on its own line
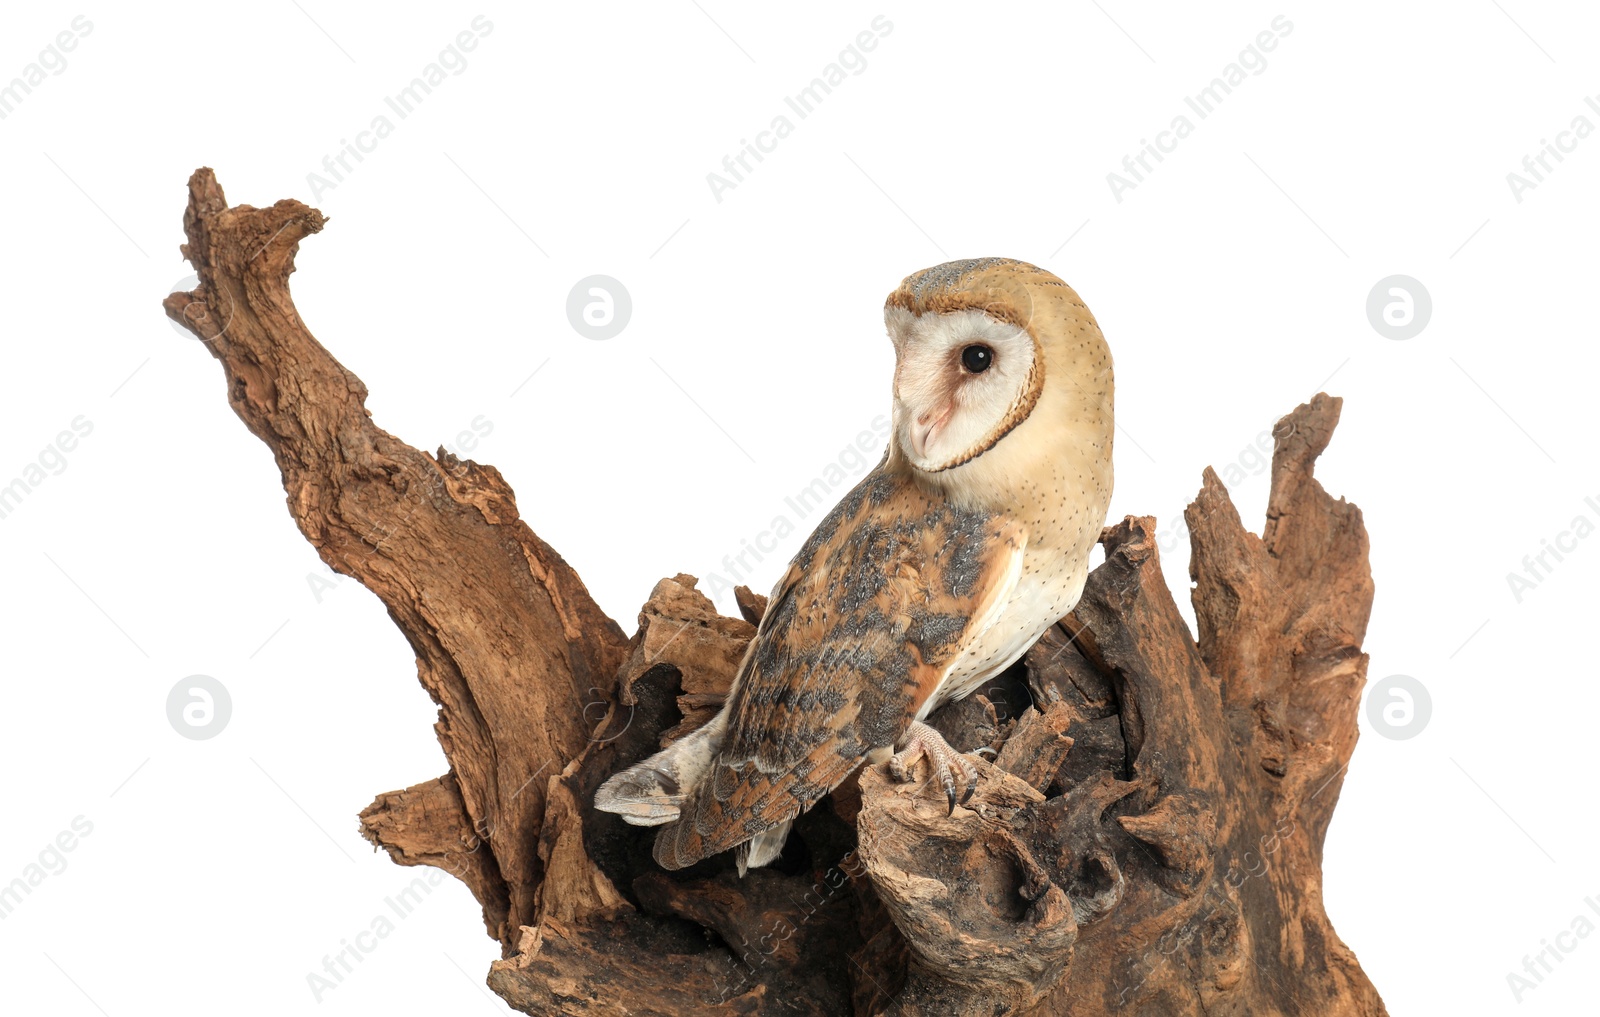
point(1147, 835)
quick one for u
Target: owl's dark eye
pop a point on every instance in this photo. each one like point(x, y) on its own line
point(977, 358)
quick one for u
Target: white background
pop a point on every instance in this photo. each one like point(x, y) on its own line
point(1231, 283)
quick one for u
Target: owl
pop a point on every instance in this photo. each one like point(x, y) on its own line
point(937, 571)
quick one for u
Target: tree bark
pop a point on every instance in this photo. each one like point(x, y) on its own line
point(1147, 837)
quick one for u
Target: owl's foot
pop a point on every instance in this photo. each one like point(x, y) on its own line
point(922, 740)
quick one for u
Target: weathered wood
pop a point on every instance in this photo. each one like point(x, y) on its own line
point(680, 627)
point(503, 629)
point(1038, 747)
point(1146, 839)
point(428, 824)
point(989, 929)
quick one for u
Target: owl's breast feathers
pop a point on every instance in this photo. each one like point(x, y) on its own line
point(858, 634)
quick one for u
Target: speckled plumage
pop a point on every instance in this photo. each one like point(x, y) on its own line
point(857, 635)
point(937, 571)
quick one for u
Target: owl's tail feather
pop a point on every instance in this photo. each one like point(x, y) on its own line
point(652, 792)
point(658, 790)
point(762, 849)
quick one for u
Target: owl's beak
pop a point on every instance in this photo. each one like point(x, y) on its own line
point(927, 427)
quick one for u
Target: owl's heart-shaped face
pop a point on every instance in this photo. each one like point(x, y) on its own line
point(962, 381)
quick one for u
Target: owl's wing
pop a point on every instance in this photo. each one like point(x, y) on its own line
point(857, 635)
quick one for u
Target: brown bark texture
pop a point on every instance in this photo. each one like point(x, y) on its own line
point(1147, 832)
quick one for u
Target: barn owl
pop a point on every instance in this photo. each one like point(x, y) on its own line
point(937, 571)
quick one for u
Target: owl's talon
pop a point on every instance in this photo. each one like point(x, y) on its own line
point(947, 763)
point(898, 769)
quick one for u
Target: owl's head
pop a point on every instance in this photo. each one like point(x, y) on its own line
point(978, 344)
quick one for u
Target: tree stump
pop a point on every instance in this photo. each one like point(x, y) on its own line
point(1147, 839)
